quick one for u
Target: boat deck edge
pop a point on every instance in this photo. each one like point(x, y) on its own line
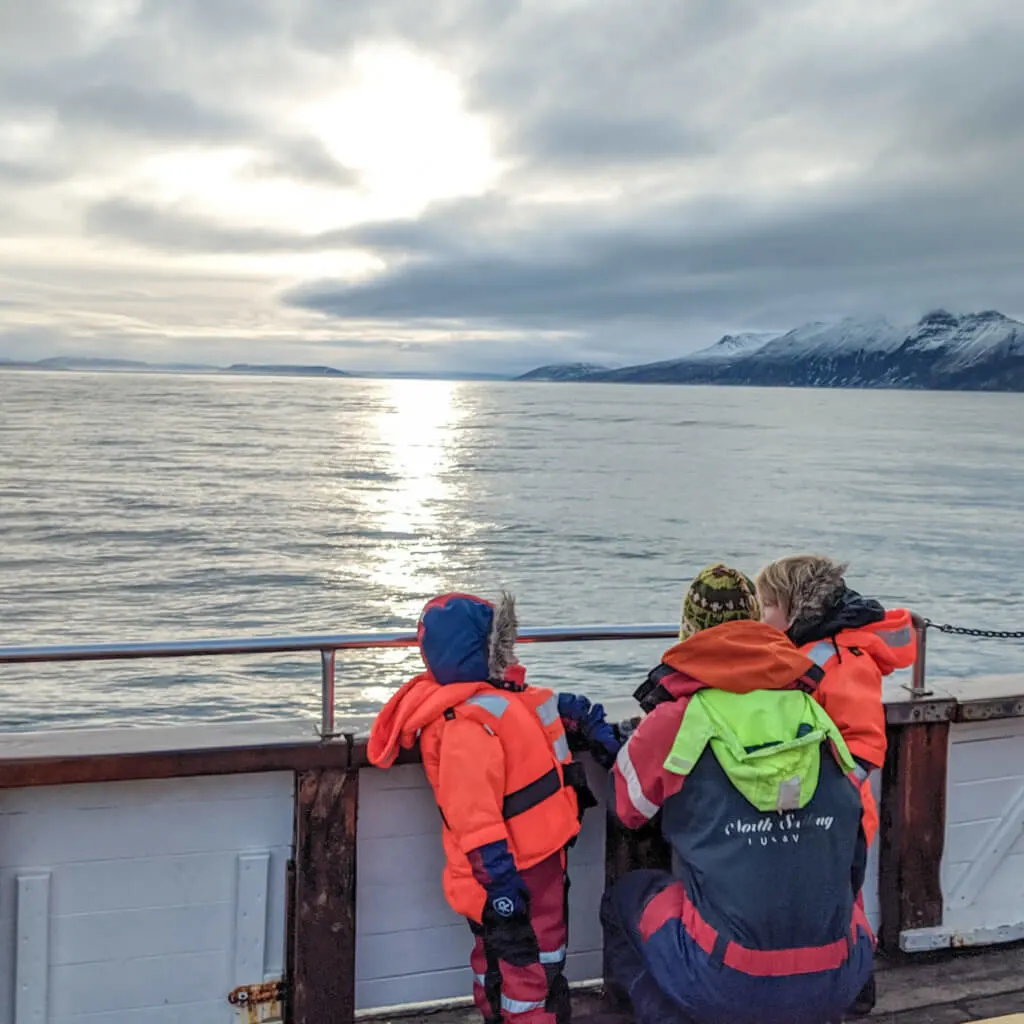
point(952, 987)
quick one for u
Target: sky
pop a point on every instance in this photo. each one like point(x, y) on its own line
point(486, 185)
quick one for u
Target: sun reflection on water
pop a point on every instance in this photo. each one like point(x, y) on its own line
point(397, 479)
point(416, 429)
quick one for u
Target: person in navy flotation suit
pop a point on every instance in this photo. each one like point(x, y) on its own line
point(759, 800)
point(497, 753)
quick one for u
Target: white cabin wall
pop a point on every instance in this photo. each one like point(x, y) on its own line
point(872, 905)
point(983, 862)
point(410, 946)
point(159, 897)
point(149, 901)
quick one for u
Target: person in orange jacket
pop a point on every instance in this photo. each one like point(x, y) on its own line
point(855, 642)
point(498, 755)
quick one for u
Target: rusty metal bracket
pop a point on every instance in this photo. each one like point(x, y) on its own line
point(259, 1003)
point(916, 691)
point(982, 710)
point(335, 738)
point(915, 712)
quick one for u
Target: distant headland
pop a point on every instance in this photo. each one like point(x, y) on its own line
point(137, 366)
point(941, 352)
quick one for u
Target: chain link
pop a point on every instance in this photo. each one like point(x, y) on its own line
point(988, 634)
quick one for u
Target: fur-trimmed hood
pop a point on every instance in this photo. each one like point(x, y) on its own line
point(821, 604)
point(825, 606)
point(818, 590)
point(464, 638)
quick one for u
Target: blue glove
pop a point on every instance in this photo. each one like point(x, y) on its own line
point(495, 869)
point(508, 932)
point(580, 717)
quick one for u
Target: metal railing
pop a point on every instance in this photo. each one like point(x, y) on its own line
point(326, 646)
point(918, 687)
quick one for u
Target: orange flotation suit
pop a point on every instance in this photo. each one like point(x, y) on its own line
point(495, 760)
point(854, 662)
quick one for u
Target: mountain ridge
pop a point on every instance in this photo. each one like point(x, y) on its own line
point(563, 371)
point(943, 351)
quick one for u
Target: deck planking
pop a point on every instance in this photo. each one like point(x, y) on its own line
point(947, 988)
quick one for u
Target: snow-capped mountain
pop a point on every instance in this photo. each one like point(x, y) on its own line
point(976, 351)
point(842, 338)
point(966, 340)
point(733, 345)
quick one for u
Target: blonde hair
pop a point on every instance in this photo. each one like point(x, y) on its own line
point(803, 586)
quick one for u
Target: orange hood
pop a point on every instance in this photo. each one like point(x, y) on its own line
point(891, 643)
point(415, 705)
point(739, 657)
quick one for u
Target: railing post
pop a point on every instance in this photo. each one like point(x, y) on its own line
point(322, 933)
point(918, 686)
point(327, 682)
point(912, 830)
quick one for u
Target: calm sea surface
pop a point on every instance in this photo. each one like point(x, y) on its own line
point(151, 507)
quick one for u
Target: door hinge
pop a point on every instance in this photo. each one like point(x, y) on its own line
point(260, 1003)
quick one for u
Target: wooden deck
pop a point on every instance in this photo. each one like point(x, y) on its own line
point(942, 989)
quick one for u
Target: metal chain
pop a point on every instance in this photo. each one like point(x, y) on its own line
point(988, 634)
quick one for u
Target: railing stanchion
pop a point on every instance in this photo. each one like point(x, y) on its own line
point(322, 986)
point(918, 685)
point(327, 658)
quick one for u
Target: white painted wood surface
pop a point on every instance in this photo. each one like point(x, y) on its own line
point(142, 902)
point(252, 872)
point(150, 901)
point(32, 949)
point(983, 864)
point(131, 903)
point(872, 906)
point(410, 946)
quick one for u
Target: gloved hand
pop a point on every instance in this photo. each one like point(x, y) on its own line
point(495, 869)
point(586, 720)
point(506, 914)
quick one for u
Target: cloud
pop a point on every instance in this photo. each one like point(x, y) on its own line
point(591, 140)
point(157, 113)
point(27, 172)
point(170, 230)
point(656, 175)
point(306, 159)
point(725, 262)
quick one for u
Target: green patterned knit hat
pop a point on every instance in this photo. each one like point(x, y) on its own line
point(718, 594)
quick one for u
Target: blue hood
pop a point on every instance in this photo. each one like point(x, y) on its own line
point(454, 635)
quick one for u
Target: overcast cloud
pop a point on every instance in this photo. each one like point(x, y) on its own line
point(486, 184)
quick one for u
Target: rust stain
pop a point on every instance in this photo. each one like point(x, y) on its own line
point(258, 1004)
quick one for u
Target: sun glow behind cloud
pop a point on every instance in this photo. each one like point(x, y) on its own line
point(399, 124)
point(393, 119)
point(405, 128)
